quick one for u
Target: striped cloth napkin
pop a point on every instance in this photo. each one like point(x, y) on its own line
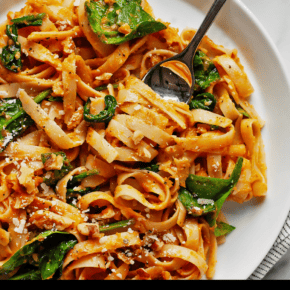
point(279, 249)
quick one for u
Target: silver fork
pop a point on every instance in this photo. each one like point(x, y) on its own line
point(170, 85)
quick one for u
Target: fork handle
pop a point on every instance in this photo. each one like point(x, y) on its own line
point(190, 50)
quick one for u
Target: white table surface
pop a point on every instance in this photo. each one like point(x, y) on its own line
point(274, 16)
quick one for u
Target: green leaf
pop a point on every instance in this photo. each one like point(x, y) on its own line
point(13, 119)
point(23, 255)
point(11, 53)
point(56, 175)
point(73, 192)
point(243, 112)
point(103, 88)
point(106, 19)
point(51, 259)
point(78, 178)
point(150, 167)
point(205, 101)
point(106, 115)
point(28, 276)
point(214, 189)
point(57, 99)
point(223, 229)
point(204, 70)
point(116, 226)
point(73, 187)
point(192, 205)
point(29, 20)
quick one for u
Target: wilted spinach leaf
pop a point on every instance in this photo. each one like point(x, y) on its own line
point(51, 248)
point(150, 167)
point(208, 188)
point(116, 226)
point(28, 276)
point(106, 20)
point(204, 70)
point(223, 229)
point(102, 88)
point(205, 101)
point(190, 202)
point(56, 175)
point(106, 115)
point(11, 53)
point(29, 20)
point(51, 257)
point(14, 120)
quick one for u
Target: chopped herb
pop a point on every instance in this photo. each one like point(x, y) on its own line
point(106, 20)
point(106, 115)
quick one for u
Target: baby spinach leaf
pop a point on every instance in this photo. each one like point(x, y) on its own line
point(56, 175)
point(23, 255)
point(29, 20)
point(214, 127)
point(214, 189)
point(116, 226)
point(106, 115)
point(150, 167)
point(28, 276)
point(243, 112)
point(74, 188)
point(190, 202)
point(102, 88)
point(223, 229)
point(55, 99)
point(204, 70)
point(78, 178)
point(205, 101)
point(105, 20)
point(14, 120)
point(51, 257)
point(11, 53)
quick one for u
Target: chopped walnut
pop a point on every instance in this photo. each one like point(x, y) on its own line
point(91, 230)
point(54, 162)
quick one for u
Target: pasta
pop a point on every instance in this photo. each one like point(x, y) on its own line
point(102, 179)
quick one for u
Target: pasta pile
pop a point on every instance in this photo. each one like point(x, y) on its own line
point(103, 169)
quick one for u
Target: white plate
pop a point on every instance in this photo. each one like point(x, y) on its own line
point(258, 222)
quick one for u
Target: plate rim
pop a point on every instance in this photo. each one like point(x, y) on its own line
point(282, 65)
